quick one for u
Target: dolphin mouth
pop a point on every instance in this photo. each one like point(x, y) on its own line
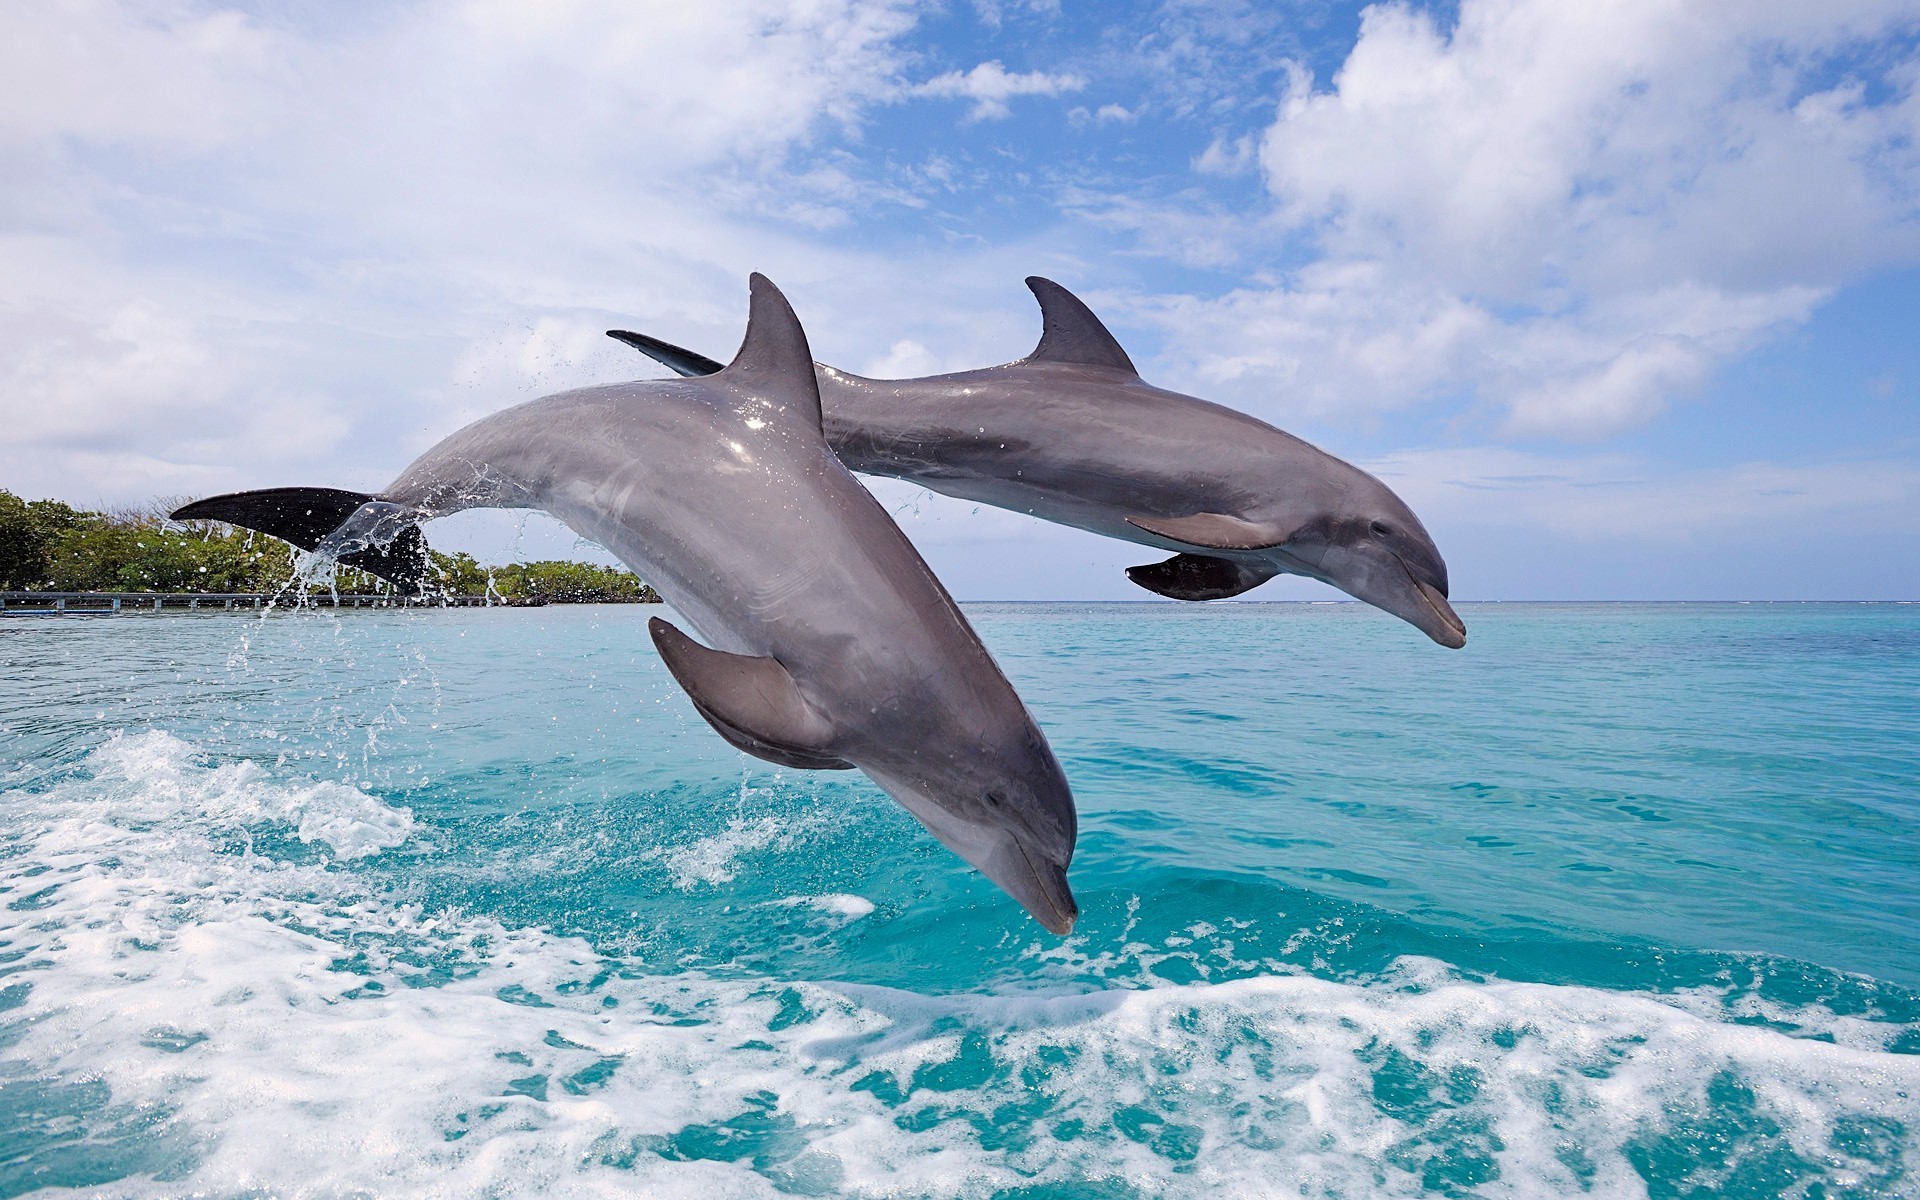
point(1448, 630)
point(1029, 878)
point(1057, 909)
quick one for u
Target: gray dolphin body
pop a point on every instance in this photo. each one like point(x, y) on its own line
point(833, 644)
point(1072, 434)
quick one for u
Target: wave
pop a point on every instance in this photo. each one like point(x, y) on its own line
point(209, 989)
point(715, 859)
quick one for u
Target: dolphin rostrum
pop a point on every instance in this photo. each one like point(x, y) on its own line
point(833, 645)
point(1072, 434)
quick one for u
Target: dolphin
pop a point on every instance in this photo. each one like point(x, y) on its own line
point(832, 644)
point(1072, 434)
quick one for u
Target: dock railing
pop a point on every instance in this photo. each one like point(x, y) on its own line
point(108, 603)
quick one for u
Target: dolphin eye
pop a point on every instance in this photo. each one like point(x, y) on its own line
point(1381, 529)
point(995, 800)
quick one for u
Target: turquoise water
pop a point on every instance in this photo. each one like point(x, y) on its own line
point(1619, 901)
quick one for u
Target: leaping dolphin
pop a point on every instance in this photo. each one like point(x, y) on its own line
point(1072, 434)
point(833, 644)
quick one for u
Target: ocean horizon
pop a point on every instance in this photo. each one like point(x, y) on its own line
point(1621, 900)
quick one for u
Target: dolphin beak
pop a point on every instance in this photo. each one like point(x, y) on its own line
point(1384, 579)
point(1039, 884)
point(1446, 627)
point(1060, 910)
point(1024, 871)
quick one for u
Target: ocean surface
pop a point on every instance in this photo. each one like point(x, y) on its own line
point(1620, 901)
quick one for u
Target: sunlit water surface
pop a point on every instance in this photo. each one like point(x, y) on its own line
point(1619, 901)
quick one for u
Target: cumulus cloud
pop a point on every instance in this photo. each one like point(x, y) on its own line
point(1347, 337)
point(991, 85)
point(239, 242)
point(253, 246)
point(1574, 212)
point(1515, 152)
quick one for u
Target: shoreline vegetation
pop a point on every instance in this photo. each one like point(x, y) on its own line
point(48, 546)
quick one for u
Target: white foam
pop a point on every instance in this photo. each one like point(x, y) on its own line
point(840, 904)
point(272, 1006)
point(834, 904)
point(350, 822)
point(170, 784)
point(714, 859)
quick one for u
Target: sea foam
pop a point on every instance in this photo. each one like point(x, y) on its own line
point(714, 859)
point(209, 1008)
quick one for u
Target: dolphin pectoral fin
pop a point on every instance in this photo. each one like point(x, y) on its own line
point(1212, 531)
point(677, 359)
point(1198, 577)
point(785, 756)
point(751, 702)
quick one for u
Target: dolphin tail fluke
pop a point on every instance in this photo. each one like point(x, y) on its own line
point(305, 517)
point(751, 702)
point(1198, 577)
point(678, 359)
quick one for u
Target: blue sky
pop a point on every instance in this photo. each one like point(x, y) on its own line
point(1623, 298)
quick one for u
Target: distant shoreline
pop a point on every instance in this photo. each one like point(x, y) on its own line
point(105, 603)
point(99, 603)
point(50, 547)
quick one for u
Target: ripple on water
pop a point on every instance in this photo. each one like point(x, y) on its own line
point(377, 908)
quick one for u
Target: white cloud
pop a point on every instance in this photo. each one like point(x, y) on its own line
point(1574, 212)
point(991, 85)
point(76, 382)
point(1545, 144)
point(1623, 499)
point(1227, 156)
point(905, 359)
point(1618, 363)
point(100, 72)
point(1185, 228)
point(1342, 339)
point(237, 245)
point(297, 247)
point(993, 14)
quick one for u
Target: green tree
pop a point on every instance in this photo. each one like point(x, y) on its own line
point(46, 545)
point(111, 557)
point(572, 583)
point(28, 533)
point(458, 574)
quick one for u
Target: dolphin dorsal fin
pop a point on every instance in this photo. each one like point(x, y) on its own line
point(1070, 333)
point(775, 360)
point(752, 702)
